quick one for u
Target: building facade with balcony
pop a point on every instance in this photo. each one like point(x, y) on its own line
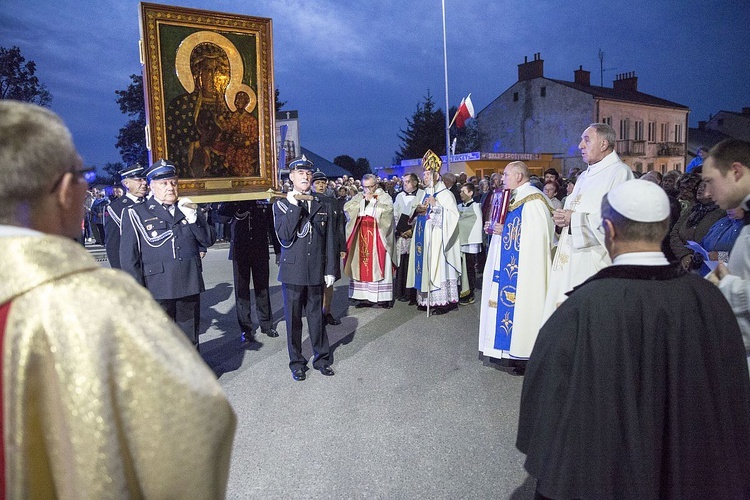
point(543, 115)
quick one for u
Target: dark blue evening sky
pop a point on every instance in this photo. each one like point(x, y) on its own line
point(356, 70)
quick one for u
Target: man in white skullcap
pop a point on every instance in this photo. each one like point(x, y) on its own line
point(637, 385)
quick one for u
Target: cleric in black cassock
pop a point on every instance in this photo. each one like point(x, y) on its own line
point(638, 385)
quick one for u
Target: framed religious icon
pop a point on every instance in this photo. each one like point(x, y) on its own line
point(210, 102)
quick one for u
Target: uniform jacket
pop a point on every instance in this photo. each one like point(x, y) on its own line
point(112, 225)
point(251, 227)
point(308, 243)
point(163, 252)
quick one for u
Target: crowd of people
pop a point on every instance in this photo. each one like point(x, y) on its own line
point(592, 286)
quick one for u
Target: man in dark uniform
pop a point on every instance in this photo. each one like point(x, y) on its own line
point(252, 229)
point(136, 189)
point(320, 186)
point(305, 229)
point(160, 247)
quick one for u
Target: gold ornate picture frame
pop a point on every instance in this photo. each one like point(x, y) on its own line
point(210, 101)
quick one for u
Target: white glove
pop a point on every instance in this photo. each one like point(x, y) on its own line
point(329, 279)
point(290, 198)
point(190, 213)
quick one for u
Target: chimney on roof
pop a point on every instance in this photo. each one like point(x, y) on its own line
point(530, 70)
point(626, 81)
point(582, 76)
point(746, 110)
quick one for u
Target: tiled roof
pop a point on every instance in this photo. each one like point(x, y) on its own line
point(325, 166)
point(621, 95)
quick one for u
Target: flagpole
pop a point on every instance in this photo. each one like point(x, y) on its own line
point(447, 105)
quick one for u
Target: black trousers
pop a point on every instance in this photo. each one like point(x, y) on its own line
point(257, 268)
point(310, 299)
point(471, 271)
point(399, 286)
point(186, 312)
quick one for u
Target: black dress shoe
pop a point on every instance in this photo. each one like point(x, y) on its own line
point(363, 303)
point(385, 305)
point(403, 299)
point(298, 374)
point(326, 370)
point(271, 332)
point(437, 311)
point(330, 320)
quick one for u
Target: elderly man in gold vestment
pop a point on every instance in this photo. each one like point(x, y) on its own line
point(95, 404)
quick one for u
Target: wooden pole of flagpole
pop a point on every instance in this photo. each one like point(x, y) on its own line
point(447, 106)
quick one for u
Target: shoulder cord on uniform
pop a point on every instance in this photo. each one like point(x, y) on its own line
point(153, 242)
point(114, 216)
point(301, 233)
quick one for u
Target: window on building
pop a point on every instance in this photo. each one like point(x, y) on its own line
point(607, 120)
point(663, 168)
point(678, 132)
point(638, 130)
point(664, 132)
point(678, 166)
point(543, 92)
point(638, 166)
point(625, 129)
point(515, 96)
point(652, 132)
point(649, 166)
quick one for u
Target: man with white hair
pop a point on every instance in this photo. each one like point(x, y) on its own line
point(102, 395)
point(161, 244)
point(637, 386)
point(580, 251)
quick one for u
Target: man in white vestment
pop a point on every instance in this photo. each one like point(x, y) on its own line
point(580, 252)
point(516, 273)
point(369, 242)
point(435, 256)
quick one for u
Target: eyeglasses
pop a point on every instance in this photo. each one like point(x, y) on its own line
point(372, 186)
point(87, 174)
point(601, 226)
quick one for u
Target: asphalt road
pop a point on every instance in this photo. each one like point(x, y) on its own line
point(410, 413)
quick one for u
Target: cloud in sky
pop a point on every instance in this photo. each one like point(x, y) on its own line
point(356, 70)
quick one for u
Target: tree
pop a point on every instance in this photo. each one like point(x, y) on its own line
point(361, 167)
point(278, 104)
point(131, 140)
point(425, 130)
point(113, 170)
point(346, 162)
point(17, 80)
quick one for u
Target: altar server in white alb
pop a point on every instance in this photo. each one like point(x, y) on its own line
point(516, 273)
point(470, 234)
point(580, 251)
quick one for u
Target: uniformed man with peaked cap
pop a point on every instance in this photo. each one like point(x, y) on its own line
point(303, 224)
point(136, 188)
point(160, 247)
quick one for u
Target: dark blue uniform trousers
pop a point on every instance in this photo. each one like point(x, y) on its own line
point(309, 297)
